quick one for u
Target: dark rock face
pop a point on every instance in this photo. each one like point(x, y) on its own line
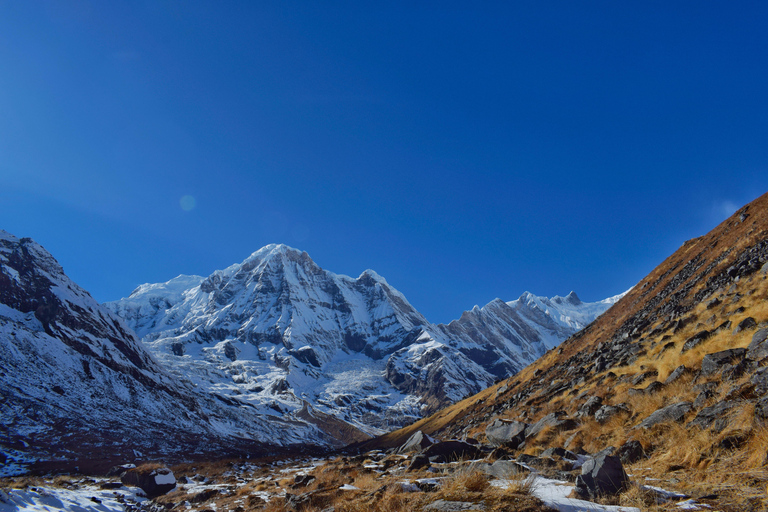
point(758, 348)
point(153, 481)
point(590, 407)
point(453, 450)
point(676, 374)
point(715, 414)
point(602, 476)
point(418, 462)
point(416, 443)
point(718, 361)
point(745, 325)
point(556, 420)
point(630, 452)
point(674, 412)
point(506, 433)
point(695, 340)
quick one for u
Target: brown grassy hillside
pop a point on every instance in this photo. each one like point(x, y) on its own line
point(707, 297)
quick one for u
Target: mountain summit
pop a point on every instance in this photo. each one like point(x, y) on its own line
point(280, 333)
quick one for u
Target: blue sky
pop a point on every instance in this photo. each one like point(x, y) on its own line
point(462, 152)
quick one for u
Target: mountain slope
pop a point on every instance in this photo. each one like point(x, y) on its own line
point(278, 331)
point(678, 365)
point(74, 380)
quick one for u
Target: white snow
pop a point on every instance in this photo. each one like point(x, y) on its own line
point(84, 499)
point(554, 494)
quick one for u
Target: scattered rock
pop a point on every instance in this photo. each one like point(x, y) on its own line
point(503, 469)
point(630, 452)
point(676, 374)
point(718, 361)
point(296, 501)
point(416, 443)
point(454, 506)
point(714, 414)
point(418, 462)
point(607, 412)
point(453, 450)
point(674, 412)
point(696, 339)
point(745, 325)
point(506, 433)
point(760, 380)
point(155, 480)
point(556, 420)
point(602, 476)
point(590, 407)
point(758, 348)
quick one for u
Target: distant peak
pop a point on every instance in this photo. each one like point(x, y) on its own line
point(573, 298)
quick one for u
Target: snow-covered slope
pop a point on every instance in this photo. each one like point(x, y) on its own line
point(75, 379)
point(277, 330)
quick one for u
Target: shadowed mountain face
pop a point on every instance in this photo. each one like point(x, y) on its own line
point(277, 331)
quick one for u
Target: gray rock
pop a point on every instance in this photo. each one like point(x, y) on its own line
point(745, 325)
point(454, 506)
point(601, 476)
point(674, 412)
point(556, 420)
point(702, 398)
point(503, 469)
point(676, 374)
point(761, 408)
point(590, 407)
point(146, 479)
point(453, 450)
point(506, 433)
point(758, 349)
point(760, 380)
point(630, 452)
point(714, 414)
point(717, 362)
point(696, 339)
point(607, 412)
point(416, 443)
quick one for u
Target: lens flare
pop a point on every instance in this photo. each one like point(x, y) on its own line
point(187, 203)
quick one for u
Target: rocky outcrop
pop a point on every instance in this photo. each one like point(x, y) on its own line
point(601, 476)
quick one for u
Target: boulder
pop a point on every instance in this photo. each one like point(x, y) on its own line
point(676, 374)
point(601, 476)
point(416, 443)
point(506, 433)
point(674, 412)
point(715, 414)
point(760, 380)
point(418, 462)
point(453, 450)
point(607, 412)
point(154, 479)
point(556, 420)
point(758, 349)
point(503, 469)
point(718, 361)
point(590, 407)
point(696, 339)
point(630, 452)
point(745, 325)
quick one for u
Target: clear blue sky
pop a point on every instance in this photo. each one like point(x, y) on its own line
point(463, 152)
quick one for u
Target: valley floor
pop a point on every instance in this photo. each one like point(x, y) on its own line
point(372, 482)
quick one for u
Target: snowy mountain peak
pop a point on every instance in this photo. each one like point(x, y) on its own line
point(571, 298)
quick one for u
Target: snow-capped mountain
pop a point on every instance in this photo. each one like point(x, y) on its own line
point(277, 330)
point(74, 377)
